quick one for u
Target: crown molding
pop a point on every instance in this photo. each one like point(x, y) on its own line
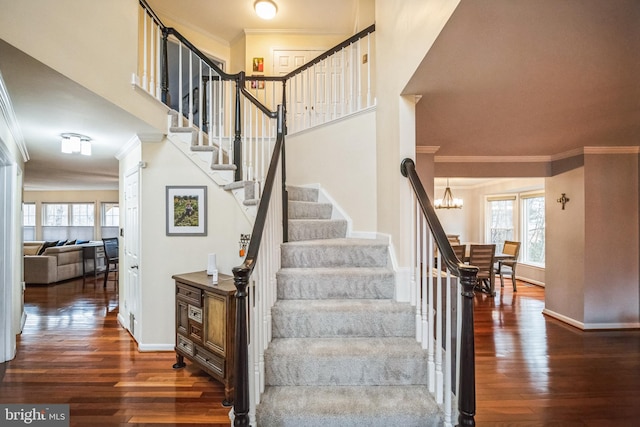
point(535, 159)
point(427, 149)
point(492, 159)
point(301, 32)
point(6, 108)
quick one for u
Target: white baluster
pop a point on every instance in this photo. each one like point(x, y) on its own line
point(430, 323)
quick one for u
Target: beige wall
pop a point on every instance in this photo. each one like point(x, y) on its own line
point(399, 24)
point(163, 256)
point(100, 30)
point(97, 197)
point(341, 157)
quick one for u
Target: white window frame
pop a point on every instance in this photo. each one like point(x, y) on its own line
point(67, 228)
point(488, 217)
point(109, 230)
point(518, 219)
point(524, 239)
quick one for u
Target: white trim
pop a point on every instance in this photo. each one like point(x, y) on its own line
point(590, 326)
point(6, 108)
point(427, 149)
point(530, 281)
point(612, 150)
point(156, 347)
point(130, 145)
point(492, 159)
point(336, 120)
point(538, 159)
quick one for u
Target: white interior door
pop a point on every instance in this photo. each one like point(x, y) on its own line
point(300, 96)
point(132, 253)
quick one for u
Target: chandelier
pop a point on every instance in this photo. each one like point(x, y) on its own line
point(448, 201)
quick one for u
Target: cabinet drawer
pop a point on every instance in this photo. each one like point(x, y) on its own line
point(184, 345)
point(195, 331)
point(189, 294)
point(209, 361)
point(195, 313)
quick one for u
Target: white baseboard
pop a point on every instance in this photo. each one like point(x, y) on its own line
point(156, 347)
point(590, 326)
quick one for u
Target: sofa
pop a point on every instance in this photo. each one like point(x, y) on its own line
point(54, 264)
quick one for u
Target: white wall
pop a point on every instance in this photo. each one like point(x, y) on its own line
point(11, 267)
point(341, 157)
point(163, 256)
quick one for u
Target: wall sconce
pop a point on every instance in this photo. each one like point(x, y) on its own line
point(73, 143)
point(564, 199)
point(265, 9)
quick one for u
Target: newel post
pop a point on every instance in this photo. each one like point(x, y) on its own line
point(237, 141)
point(241, 399)
point(467, 393)
point(164, 69)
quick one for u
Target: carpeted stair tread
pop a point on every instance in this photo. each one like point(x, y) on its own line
point(345, 252)
point(333, 283)
point(302, 194)
point(342, 318)
point(348, 406)
point(309, 210)
point(345, 361)
point(311, 229)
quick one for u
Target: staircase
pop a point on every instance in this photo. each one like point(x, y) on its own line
point(343, 352)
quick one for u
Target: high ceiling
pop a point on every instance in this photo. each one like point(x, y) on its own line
point(531, 78)
point(504, 78)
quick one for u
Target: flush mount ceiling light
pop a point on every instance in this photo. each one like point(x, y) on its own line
point(448, 201)
point(74, 143)
point(266, 9)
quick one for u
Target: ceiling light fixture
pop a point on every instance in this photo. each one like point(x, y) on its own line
point(74, 143)
point(266, 9)
point(448, 201)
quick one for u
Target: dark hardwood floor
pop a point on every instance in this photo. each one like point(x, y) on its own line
point(531, 370)
point(73, 350)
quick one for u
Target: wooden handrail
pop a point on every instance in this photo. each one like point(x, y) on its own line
point(241, 276)
point(467, 275)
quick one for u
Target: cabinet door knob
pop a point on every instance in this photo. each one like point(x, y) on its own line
point(134, 266)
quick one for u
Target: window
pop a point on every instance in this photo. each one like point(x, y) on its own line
point(68, 221)
point(518, 217)
point(29, 221)
point(533, 224)
point(110, 219)
point(501, 223)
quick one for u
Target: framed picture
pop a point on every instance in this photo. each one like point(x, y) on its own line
point(186, 210)
point(258, 65)
point(257, 84)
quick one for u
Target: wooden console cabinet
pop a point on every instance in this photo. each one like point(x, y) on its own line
point(205, 326)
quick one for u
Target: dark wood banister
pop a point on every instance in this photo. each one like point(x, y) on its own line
point(241, 276)
point(467, 275)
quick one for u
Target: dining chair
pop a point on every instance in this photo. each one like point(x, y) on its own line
point(508, 266)
point(481, 256)
point(111, 259)
point(459, 250)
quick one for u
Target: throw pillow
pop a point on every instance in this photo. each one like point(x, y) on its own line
point(71, 242)
point(31, 250)
point(81, 242)
point(46, 245)
point(61, 242)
